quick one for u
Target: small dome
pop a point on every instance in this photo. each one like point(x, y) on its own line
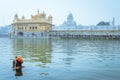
point(16, 16)
point(49, 16)
point(70, 17)
point(23, 17)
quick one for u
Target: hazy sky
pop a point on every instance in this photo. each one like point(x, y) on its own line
point(85, 12)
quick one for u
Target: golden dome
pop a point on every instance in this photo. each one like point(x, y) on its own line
point(49, 16)
point(23, 17)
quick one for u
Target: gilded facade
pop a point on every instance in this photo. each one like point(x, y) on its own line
point(39, 25)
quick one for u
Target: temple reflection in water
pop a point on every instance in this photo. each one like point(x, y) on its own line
point(33, 50)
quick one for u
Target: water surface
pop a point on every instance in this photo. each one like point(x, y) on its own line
point(61, 59)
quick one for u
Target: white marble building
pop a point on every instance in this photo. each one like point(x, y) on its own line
point(69, 28)
point(70, 24)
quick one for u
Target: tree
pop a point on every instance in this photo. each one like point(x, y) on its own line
point(102, 23)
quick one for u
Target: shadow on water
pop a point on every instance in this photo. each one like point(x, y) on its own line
point(18, 72)
point(17, 67)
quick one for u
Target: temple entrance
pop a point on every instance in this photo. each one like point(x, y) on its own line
point(20, 33)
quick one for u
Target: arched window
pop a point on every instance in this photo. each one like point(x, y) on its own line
point(30, 27)
point(36, 27)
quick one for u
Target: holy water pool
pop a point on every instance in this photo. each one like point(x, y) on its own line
point(61, 59)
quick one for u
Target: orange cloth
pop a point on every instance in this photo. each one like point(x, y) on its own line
point(19, 59)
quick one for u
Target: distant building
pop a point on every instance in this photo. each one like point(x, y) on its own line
point(5, 30)
point(69, 28)
point(38, 26)
point(70, 24)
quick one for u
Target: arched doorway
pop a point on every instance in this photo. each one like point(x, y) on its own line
point(20, 33)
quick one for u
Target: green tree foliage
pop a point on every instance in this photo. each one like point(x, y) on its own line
point(102, 23)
